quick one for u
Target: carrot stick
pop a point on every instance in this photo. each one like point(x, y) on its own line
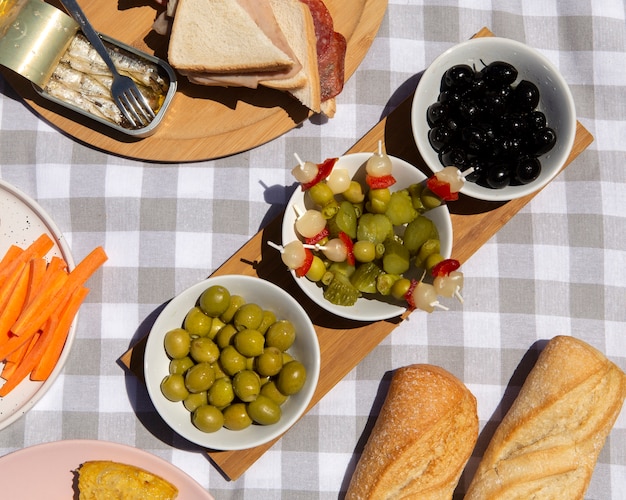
point(38, 248)
point(29, 362)
point(12, 305)
point(13, 343)
point(38, 268)
point(15, 358)
point(12, 253)
point(39, 309)
point(51, 356)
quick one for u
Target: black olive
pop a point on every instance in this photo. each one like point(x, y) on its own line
point(479, 169)
point(498, 176)
point(469, 111)
point(453, 156)
point(513, 124)
point(527, 170)
point(536, 119)
point(499, 73)
point(511, 146)
point(460, 75)
point(475, 138)
point(436, 113)
point(451, 97)
point(494, 103)
point(526, 96)
point(544, 140)
point(439, 137)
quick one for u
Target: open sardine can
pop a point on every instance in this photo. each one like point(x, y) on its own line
point(45, 46)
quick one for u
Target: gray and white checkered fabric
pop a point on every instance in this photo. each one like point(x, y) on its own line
point(558, 267)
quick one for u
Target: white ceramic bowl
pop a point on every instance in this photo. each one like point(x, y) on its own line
point(305, 349)
point(365, 309)
point(556, 102)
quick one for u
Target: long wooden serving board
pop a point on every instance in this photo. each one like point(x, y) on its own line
point(202, 122)
point(344, 343)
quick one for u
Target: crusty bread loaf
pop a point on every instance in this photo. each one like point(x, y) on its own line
point(422, 438)
point(202, 42)
point(108, 480)
point(547, 445)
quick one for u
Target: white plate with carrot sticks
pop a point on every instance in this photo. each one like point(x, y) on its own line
point(41, 290)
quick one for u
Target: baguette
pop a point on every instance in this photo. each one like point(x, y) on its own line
point(422, 438)
point(548, 442)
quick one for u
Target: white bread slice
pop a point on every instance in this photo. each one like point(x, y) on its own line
point(220, 36)
point(296, 22)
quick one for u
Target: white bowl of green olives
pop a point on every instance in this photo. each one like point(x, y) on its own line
point(232, 362)
point(498, 110)
point(368, 307)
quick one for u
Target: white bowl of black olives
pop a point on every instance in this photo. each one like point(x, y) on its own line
point(232, 362)
point(500, 112)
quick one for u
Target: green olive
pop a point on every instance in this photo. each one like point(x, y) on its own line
point(221, 393)
point(204, 350)
point(225, 335)
point(249, 342)
point(181, 365)
point(364, 251)
point(317, 269)
point(199, 377)
point(287, 358)
point(236, 301)
point(291, 378)
point(219, 371)
point(177, 343)
point(232, 361)
point(248, 316)
point(236, 417)
point(246, 385)
point(267, 319)
point(215, 300)
point(271, 391)
point(264, 411)
point(197, 323)
point(269, 362)
point(195, 400)
point(207, 418)
point(281, 335)
point(216, 326)
point(173, 387)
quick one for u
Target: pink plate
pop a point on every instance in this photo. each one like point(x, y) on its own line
point(47, 470)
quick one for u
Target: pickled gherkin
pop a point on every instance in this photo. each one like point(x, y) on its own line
point(417, 232)
point(400, 209)
point(340, 291)
point(344, 220)
point(374, 227)
point(364, 278)
point(396, 259)
point(385, 282)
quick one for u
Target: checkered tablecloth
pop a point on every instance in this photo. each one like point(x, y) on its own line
point(558, 267)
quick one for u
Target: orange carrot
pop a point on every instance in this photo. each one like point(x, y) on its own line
point(50, 357)
point(12, 253)
point(38, 248)
point(38, 268)
point(29, 361)
point(12, 306)
point(14, 343)
point(15, 358)
point(35, 314)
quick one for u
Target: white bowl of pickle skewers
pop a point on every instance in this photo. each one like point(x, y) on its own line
point(372, 304)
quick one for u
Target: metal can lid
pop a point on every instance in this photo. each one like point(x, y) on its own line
point(33, 37)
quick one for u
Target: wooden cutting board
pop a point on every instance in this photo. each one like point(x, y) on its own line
point(202, 122)
point(344, 343)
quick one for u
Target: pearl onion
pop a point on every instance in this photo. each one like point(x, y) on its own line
point(447, 286)
point(452, 176)
point(312, 222)
point(335, 250)
point(338, 180)
point(378, 165)
point(425, 297)
point(293, 254)
point(305, 172)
